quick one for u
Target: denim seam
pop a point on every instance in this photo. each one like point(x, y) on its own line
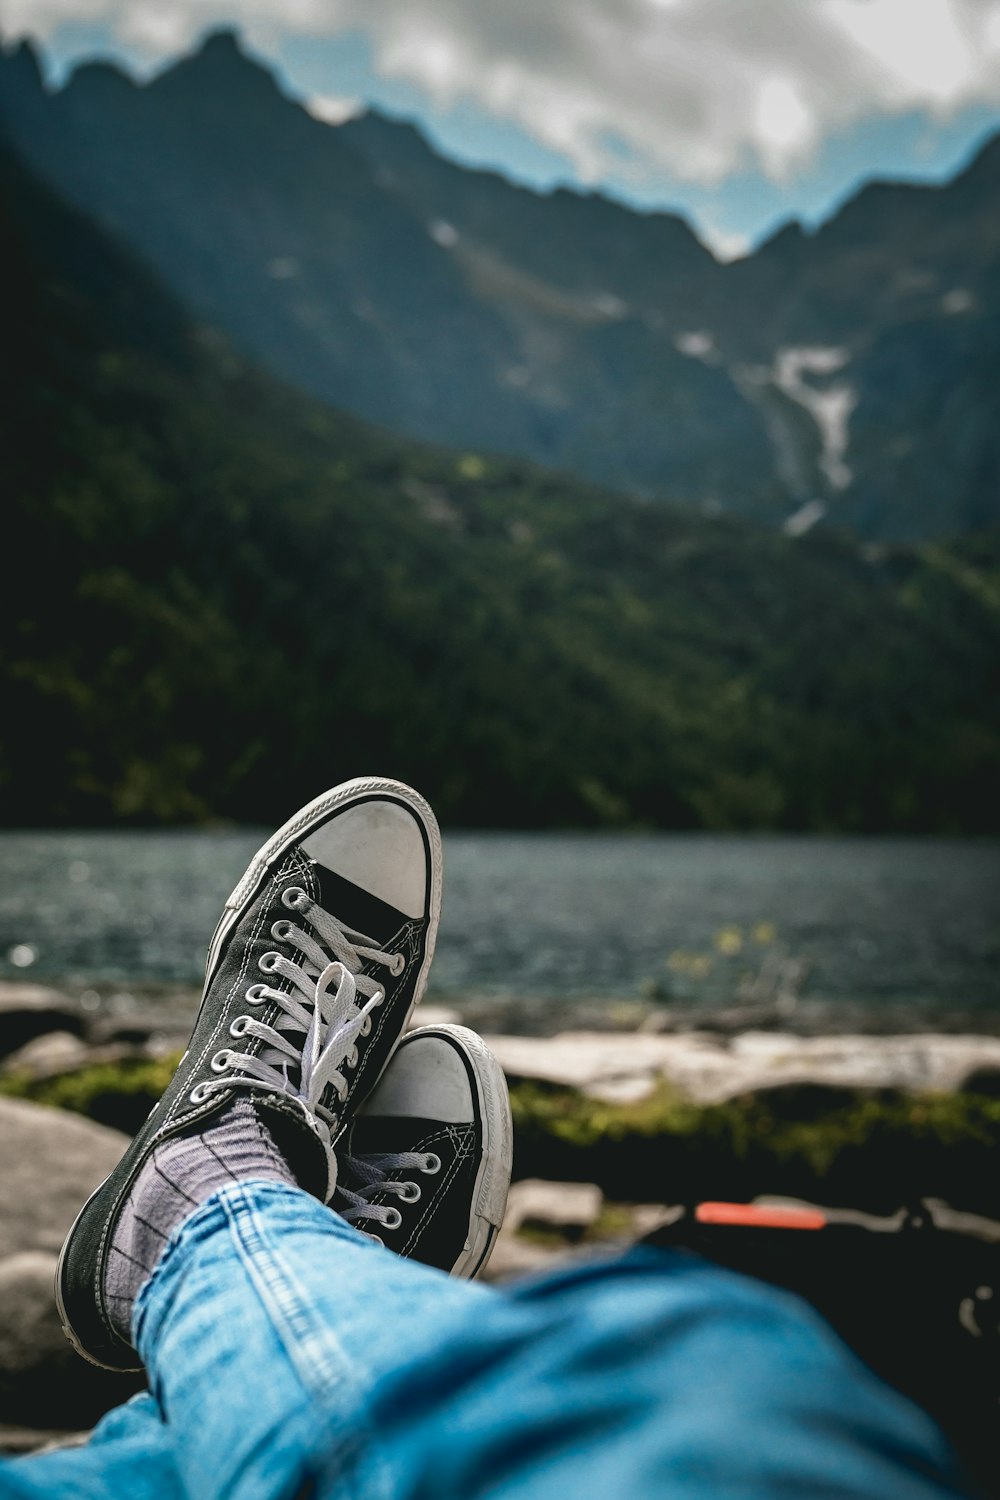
point(312, 1347)
point(190, 1226)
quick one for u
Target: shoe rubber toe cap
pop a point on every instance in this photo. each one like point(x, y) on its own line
point(379, 846)
point(429, 1080)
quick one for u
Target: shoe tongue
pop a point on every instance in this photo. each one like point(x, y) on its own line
point(355, 907)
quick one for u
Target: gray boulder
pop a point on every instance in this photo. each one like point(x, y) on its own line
point(50, 1162)
point(44, 1056)
point(43, 1381)
point(567, 1207)
point(625, 1067)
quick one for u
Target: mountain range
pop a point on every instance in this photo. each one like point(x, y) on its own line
point(221, 595)
point(846, 376)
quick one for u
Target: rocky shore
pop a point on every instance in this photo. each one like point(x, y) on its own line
point(611, 1126)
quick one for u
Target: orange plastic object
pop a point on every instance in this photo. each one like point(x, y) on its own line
point(759, 1216)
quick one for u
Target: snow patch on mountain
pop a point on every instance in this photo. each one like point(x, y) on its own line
point(608, 305)
point(804, 519)
point(282, 268)
point(830, 405)
point(443, 234)
point(958, 300)
point(697, 344)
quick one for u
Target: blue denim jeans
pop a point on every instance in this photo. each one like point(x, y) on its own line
point(291, 1357)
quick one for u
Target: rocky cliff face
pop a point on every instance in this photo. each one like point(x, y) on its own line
point(847, 374)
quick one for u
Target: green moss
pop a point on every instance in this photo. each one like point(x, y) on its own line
point(847, 1145)
point(614, 1222)
point(542, 1235)
point(119, 1093)
point(793, 1140)
point(582, 1121)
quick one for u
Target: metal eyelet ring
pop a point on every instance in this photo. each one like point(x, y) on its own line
point(240, 1026)
point(393, 1219)
point(280, 930)
point(366, 1027)
point(432, 1164)
point(374, 1238)
point(294, 897)
point(198, 1094)
point(397, 965)
point(268, 962)
point(409, 1192)
point(255, 994)
point(351, 1060)
point(220, 1061)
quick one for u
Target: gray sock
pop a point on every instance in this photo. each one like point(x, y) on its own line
point(179, 1175)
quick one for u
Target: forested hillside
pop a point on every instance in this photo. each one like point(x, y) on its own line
point(220, 598)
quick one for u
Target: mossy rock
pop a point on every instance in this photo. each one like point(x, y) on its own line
point(119, 1094)
point(873, 1149)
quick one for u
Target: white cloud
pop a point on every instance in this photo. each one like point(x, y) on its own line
point(925, 52)
point(695, 89)
point(783, 127)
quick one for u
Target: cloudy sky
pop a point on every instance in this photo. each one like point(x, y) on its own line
point(740, 113)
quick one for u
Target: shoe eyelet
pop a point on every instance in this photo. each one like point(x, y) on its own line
point(281, 929)
point(432, 1164)
point(240, 1026)
point(409, 1192)
point(366, 1027)
point(220, 1062)
point(198, 1094)
point(397, 965)
point(255, 995)
point(294, 898)
point(393, 1218)
point(374, 1239)
point(351, 1060)
point(268, 962)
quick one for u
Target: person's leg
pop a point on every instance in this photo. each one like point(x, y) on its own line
point(429, 1159)
point(292, 1356)
point(129, 1456)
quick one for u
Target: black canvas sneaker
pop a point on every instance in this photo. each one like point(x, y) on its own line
point(319, 957)
point(425, 1166)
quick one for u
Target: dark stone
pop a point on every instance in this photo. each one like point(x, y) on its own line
point(29, 1010)
point(985, 1081)
point(43, 1381)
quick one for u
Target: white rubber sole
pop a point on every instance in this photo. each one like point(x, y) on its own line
point(67, 1327)
point(489, 1199)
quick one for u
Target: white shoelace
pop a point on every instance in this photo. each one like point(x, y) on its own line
point(312, 1045)
point(353, 1204)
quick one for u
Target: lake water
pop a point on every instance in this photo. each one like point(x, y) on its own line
point(541, 923)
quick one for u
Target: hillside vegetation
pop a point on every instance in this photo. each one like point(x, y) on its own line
point(220, 598)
